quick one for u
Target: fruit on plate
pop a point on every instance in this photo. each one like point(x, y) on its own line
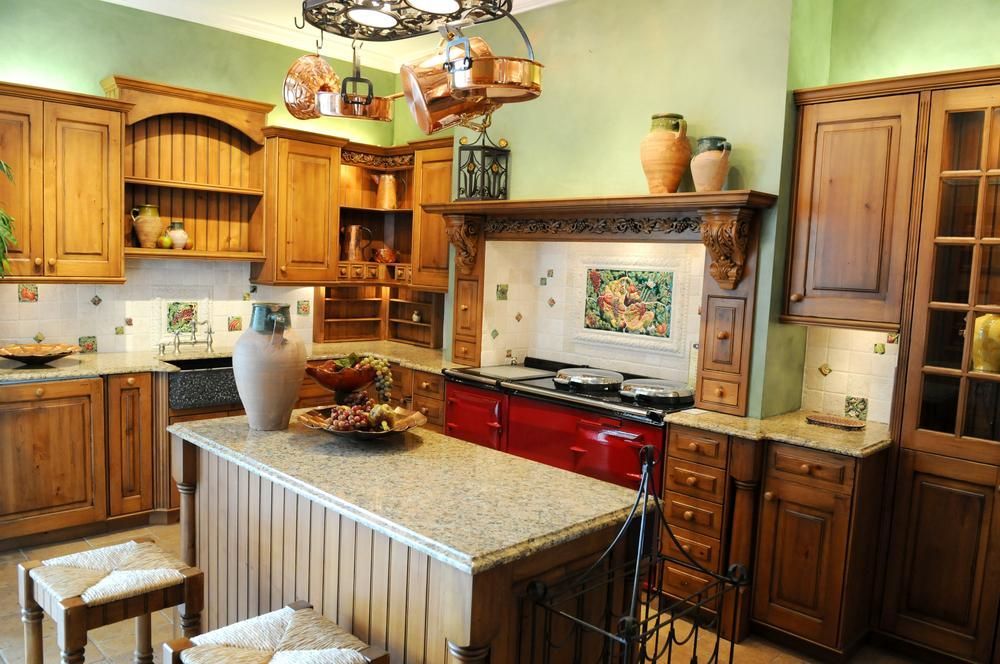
point(352, 373)
point(382, 417)
point(164, 242)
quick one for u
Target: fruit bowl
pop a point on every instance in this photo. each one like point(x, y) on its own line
point(337, 378)
point(35, 354)
point(319, 418)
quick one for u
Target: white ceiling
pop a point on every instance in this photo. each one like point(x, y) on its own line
point(272, 20)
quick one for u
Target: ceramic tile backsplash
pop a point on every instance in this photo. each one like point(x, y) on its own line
point(858, 365)
point(130, 317)
point(542, 314)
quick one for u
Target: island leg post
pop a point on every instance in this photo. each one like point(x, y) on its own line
point(184, 468)
point(745, 469)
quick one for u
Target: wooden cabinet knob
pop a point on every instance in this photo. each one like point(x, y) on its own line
point(686, 548)
point(768, 496)
point(691, 481)
point(52, 262)
point(38, 262)
point(39, 392)
point(283, 268)
point(464, 307)
point(425, 385)
point(693, 447)
point(688, 515)
point(805, 468)
point(796, 297)
point(722, 336)
point(464, 349)
point(130, 381)
point(424, 410)
point(719, 392)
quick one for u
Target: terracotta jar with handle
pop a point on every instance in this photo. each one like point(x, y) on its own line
point(710, 164)
point(665, 153)
point(147, 224)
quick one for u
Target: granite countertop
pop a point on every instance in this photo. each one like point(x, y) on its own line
point(790, 428)
point(90, 365)
point(471, 507)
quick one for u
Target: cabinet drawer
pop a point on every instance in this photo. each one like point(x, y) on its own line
point(818, 469)
point(683, 582)
point(697, 445)
point(357, 271)
point(432, 409)
point(344, 271)
point(694, 479)
point(721, 392)
point(402, 379)
point(428, 384)
point(467, 308)
point(466, 352)
point(371, 272)
point(707, 551)
point(723, 345)
point(695, 514)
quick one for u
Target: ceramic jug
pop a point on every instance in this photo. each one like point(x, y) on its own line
point(269, 361)
point(178, 236)
point(710, 164)
point(387, 195)
point(986, 344)
point(665, 153)
point(147, 224)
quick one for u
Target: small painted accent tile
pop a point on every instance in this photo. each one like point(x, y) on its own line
point(880, 349)
point(856, 407)
point(502, 291)
point(27, 293)
point(892, 338)
point(552, 302)
point(246, 297)
point(302, 307)
point(543, 281)
point(495, 333)
point(96, 300)
point(235, 323)
point(39, 337)
point(128, 322)
point(120, 330)
point(550, 273)
point(181, 316)
point(825, 369)
point(87, 344)
point(518, 317)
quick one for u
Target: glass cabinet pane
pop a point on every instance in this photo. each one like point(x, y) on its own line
point(982, 410)
point(952, 273)
point(963, 141)
point(945, 339)
point(991, 208)
point(989, 276)
point(939, 403)
point(958, 208)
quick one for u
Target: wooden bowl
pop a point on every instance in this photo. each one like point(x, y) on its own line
point(34, 354)
point(336, 378)
point(405, 420)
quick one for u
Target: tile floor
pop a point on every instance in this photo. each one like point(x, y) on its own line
point(114, 644)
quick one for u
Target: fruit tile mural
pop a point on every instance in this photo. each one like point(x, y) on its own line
point(629, 302)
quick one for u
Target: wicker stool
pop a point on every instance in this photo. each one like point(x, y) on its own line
point(294, 634)
point(91, 589)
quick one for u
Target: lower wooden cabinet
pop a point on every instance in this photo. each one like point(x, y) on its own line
point(130, 443)
point(52, 442)
point(943, 580)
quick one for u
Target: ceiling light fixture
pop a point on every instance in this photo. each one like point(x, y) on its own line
point(389, 20)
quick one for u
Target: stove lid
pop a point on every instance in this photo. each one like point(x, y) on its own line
point(503, 372)
point(588, 377)
point(654, 388)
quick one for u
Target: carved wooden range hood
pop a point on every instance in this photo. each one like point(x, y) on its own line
point(722, 220)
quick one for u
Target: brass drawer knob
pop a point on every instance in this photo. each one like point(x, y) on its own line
point(768, 496)
point(796, 297)
point(38, 262)
point(688, 515)
point(805, 468)
point(52, 262)
point(424, 411)
point(283, 268)
point(693, 447)
point(686, 548)
point(719, 392)
point(691, 481)
point(464, 307)
point(425, 385)
point(39, 392)
point(722, 336)
point(131, 380)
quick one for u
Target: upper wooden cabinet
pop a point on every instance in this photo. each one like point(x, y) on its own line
point(432, 184)
point(66, 200)
point(851, 214)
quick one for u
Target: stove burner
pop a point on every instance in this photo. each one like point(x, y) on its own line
point(587, 380)
point(655, 391)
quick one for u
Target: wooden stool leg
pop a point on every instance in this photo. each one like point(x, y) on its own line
point(31, 615)
point(71, 630)
point(144, 639)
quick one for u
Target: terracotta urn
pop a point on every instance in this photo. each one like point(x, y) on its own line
point(665, 153)
point(986, 344)
point(147, 224)
point(269, 362)
point(178, 236)
point(710, 164)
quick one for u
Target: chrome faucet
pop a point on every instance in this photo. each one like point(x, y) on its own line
point(193, 340)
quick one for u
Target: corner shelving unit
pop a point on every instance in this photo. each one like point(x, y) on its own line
point(358, 312)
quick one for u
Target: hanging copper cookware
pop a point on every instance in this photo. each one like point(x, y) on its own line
point(500, 79)
point(351, 102)
point(307, 77)
point(428, 91)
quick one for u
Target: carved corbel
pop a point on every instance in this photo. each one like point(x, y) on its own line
point(726, 234)
point(463, 232)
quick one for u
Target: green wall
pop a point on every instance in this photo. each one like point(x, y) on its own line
point(898, 37)
point(73, 44)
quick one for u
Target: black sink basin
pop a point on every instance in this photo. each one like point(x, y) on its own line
point(193, 363)
point(202, 383)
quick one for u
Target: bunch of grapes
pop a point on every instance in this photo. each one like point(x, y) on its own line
point(383, 375)
point(359, 398)
point(350, 418)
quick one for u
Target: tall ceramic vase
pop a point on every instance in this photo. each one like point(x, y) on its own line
point(665, 153)
point(986, 344)
point(710, 164)
point(269, 361)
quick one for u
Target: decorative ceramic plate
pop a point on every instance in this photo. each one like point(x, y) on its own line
point(835, 421)
point(319, 418)
point(37, 353)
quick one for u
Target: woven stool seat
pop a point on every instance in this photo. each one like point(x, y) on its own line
point(295, 634)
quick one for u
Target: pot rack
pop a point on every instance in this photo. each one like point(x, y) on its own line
point(392, 20)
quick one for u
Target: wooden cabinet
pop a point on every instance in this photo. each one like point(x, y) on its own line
point(851, 216)
point(130, 443)
point(52, 456)
point(816, 542)
point(66, 152)
point(943, 582)
point(432, 184)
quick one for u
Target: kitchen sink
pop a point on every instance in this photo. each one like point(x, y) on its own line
point(202, 383)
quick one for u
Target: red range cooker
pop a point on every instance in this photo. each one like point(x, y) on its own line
point(591, 421)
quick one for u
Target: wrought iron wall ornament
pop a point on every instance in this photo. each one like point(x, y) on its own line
point(389, 20)
point(483, 168)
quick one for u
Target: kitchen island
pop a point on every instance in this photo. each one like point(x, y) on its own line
point(421, 545)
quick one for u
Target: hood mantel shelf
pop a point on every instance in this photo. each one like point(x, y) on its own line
point(722, 220)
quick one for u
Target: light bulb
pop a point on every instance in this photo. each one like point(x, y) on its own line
point(442, 7)
point(372, 18)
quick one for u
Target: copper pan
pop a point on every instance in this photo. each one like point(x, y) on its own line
point(346, 105)
point(428, 91)
point(499, 79)
point(307, 76)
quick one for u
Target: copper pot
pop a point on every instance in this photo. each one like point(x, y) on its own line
point(428, 91)
point(341, 105)
point(308, 76)
point(499, 79)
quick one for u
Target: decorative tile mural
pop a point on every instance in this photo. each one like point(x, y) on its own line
point(503, 291)
point(629, 302)
point(87, 344)
point(181, 316)
point(27, 293)
point(235, 323)
point(302, 307)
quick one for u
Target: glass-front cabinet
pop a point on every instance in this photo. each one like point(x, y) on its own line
point(953, 383)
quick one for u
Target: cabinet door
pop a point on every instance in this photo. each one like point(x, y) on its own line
point(802, 551)
point(943, 581)
point(475, 415)
point(852, 207)
point(83, 193)
point(52, 456)
point(610, 449)
point(542, 432)
point(432, 184)
point(307, 212)
point(130, 443)
point(21, 148)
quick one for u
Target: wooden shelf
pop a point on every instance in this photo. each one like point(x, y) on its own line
point(140, 252)
point(359, 208)
point(399, 301)
point(194, 186)
point(353, 320)
point(356, 299)
point(408, 322)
